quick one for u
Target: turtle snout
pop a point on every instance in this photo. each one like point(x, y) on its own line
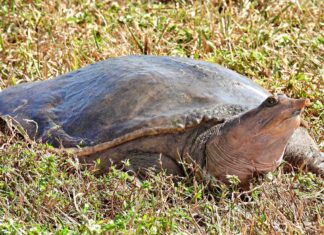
point(304, 103)
point(299, 104)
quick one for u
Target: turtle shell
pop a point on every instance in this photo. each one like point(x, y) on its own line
point(121, 98)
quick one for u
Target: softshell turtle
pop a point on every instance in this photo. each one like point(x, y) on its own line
point(159, 111)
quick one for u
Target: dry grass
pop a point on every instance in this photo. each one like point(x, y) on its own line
point(279, 44)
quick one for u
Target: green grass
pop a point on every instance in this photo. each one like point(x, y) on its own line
point(278, 44)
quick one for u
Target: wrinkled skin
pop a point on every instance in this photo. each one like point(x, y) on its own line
point(255, 141)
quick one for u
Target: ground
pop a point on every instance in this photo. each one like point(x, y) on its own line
point(278, 44)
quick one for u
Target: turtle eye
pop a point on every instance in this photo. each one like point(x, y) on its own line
point(271, 101)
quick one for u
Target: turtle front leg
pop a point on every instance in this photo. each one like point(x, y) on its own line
point(302, 151)
point(140, 162)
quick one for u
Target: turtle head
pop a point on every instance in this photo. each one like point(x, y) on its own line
point(273, 121)
point(255, 140)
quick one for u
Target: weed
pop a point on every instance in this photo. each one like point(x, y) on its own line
point(278, 44)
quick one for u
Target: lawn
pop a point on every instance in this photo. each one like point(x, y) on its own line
point(277, 43)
